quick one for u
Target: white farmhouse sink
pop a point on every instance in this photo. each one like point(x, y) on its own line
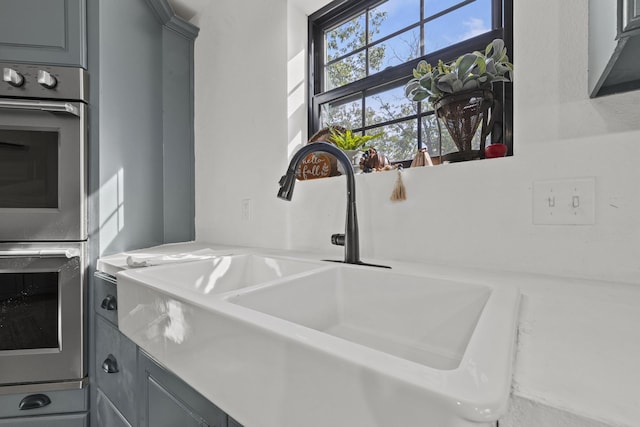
point(221, 274)
point(399, 315)
point(329, 344)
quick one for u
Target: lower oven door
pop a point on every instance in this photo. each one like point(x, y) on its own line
point(41, 313)
point(42, 170)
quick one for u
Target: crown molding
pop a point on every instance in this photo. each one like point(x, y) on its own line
point(167, 17)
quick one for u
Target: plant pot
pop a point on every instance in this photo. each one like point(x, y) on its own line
point(351, 154)
point(495, 150)
point(461, 113)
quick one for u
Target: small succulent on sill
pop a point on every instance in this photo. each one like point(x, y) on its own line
point(348, 141)
point(470, 71)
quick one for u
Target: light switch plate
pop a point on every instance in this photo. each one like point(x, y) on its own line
point(564, 202)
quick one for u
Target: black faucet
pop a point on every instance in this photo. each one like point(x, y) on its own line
point(350, 239)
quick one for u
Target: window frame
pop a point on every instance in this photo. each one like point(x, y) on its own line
point(340, 11)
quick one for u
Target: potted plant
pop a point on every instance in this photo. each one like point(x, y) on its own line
point(460, 91)
point(349, 142)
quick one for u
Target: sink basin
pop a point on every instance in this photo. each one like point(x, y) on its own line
point(396, 314)
point(279, 342)
point(220, 274)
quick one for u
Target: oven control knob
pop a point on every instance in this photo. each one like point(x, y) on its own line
point(12, 77)
point(46, 79)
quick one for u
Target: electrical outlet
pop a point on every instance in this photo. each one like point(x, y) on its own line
point(245, 209)
point(564, 202)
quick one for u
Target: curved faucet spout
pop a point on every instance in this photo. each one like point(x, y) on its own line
point(287, 183)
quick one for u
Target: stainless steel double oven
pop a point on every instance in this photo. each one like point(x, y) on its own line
point(43, 226)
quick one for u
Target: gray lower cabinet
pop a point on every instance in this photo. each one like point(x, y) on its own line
point(133, 389)
point(107, 415)
point(43, 31)
point(73, 420)
point(62, 408)
point(167, 401)
point(116, 369)
point(43, 403)
point(106, 299)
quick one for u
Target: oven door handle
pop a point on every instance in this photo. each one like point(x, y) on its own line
point(41, 253)
point(51, 106)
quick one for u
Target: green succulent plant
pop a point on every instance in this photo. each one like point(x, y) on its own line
point(470, 71)
point(348, 140)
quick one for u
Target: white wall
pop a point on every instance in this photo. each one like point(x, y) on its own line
point(241, 122)
point(250, 116)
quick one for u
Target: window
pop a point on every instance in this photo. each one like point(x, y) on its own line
point(363, 52)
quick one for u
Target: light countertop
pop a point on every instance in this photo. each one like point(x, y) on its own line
point(578, 339)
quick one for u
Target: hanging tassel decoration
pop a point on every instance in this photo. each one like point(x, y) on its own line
point(399, 193)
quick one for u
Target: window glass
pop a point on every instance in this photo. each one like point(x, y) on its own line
point(432, 7)
point(346, 71)
point(346, 38)
point(389, 105)
point(394, 51)
point(346, 112)
point(461, 24)
point(392, 16)
point(359, 79)
point(398, 141)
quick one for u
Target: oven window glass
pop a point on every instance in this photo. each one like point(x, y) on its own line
point(28, 169)
point(28, 311)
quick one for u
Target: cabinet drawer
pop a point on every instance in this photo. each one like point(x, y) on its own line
point(116, 368)
point(106, 299)
point(73, 420)
point(107, 415)
point(53, 402)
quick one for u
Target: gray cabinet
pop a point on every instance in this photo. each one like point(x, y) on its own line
point(134, 390)
point(73, 420)
point(167, 401)
point(614, 46)
point(43, 403)
point(107, 415)
point(141, 67)
point(43, 31)
point(116, 368)
point(630, 16)
point(106, 299)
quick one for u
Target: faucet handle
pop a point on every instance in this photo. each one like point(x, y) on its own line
point(337, 239)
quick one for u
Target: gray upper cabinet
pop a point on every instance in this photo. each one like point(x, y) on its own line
point(630, 16)
point(614, 46)
point(43, 31)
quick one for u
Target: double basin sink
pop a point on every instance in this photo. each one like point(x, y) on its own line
point(285, 342)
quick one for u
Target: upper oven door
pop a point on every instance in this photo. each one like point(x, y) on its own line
point(42, 170)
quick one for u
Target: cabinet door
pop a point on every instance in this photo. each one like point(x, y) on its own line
point(43, 31)
point(107, 415)
point(167, 401)
point(116, 367)
point(166, 410)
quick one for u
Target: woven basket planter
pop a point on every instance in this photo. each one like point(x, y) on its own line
point(461, 113)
